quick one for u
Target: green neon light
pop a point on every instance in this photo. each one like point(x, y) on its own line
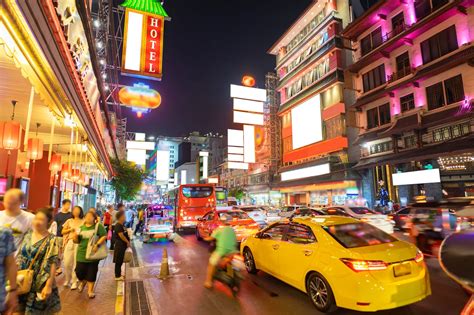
point(148, 6)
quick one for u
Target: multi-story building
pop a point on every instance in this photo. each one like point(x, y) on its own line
point(412, 73)
point(310, 58)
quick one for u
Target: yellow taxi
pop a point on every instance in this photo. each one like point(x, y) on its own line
point(340, 262)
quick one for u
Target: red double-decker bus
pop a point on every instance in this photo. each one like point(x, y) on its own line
point(191, 202)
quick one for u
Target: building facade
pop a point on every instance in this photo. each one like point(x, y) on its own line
point(412, 73)
point(315, 124)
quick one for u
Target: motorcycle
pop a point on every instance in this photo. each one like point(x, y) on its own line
point(229, 272)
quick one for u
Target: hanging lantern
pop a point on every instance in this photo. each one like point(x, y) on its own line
point(35, 149)
point(11, 134)
point(75, 174)
point(55, 164)
point(65, 170)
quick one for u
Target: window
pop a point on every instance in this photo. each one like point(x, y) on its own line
point(371, 41)
point(300, 234)
point(425, 7)
point(336, 211)
point(444, 93)
point(403, 62)
point(378, 116)
point(358, 234)
point(374, 78)
point(454, 89)
point(407, 102)
point(450, 132)
point(398, 24)
point(275, 233)
point(439, 45)
point(381, 147)
point(405, 211)
point(197, 192)
point(229, 216)
point(410, 141)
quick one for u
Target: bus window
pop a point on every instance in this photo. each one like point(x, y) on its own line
point(197, 192)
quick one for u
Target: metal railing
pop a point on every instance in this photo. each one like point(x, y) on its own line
point(399, 74)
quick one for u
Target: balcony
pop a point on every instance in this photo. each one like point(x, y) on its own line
point(400, 74)
point(384, 38)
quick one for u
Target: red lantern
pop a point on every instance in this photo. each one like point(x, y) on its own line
point(65, 170)
point(248, 81)
point(75, 174)
point(11, 134)
point(55, 164)
point(35, 149)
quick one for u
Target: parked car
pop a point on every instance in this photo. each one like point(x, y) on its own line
point(255, 212)
point(307, 212)
point(238, 219)
point(381, 221)
point(340, 262)
point(288, 211)
point(431, 211)
point(272, 214)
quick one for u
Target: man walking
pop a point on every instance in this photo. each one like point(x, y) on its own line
point(13, 218)
point(61, 217)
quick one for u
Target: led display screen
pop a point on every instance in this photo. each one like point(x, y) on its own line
point(306, 122)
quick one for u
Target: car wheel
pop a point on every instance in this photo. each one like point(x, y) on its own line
point(320, 293)
point(198, 235)
point(249, 262)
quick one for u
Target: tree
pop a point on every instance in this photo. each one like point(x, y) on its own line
point(127, 180)
point(237, 192)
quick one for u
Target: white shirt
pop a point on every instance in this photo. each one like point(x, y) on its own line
point(18, 225)
point(53, 228)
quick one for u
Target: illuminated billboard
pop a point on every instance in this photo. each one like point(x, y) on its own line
point(306, 122)
point(417, 177)
point(136, 156)
point(248, 93)
point(141, 145)
point(143, 39)
point(139, 97)
point(162, 165)
point(306, 172)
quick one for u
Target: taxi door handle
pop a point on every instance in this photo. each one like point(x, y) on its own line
point(276, 246)
point(307, 252)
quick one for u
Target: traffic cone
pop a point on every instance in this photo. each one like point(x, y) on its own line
point(164, 269)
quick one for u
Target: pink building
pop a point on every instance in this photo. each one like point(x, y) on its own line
point(413, 76)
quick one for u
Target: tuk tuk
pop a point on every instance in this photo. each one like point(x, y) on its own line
point(158, 223)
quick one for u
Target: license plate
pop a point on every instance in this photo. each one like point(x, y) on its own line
point(402, 269)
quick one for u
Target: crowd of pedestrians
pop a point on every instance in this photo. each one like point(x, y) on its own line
point(37, 248)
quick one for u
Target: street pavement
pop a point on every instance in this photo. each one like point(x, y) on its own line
point(183, 292)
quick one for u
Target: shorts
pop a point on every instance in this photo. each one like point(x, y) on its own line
point(87, 271)
point(215, 258)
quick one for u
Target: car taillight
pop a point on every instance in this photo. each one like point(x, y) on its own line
point(419, 257)
point(364, 265)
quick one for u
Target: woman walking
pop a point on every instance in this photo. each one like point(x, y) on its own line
point(122, 242)
point(70, 248)
point(86, 270)
point(39, 252)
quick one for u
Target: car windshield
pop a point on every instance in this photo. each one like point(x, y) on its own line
point(197, 192)
point(248, 209)
point(233, 215)
point(358, 234)
point(361, 210)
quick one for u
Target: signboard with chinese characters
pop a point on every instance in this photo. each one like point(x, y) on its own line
point(142, 54)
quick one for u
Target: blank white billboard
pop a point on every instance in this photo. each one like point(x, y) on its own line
point(183, 177)
point(248, 118)
point(235, 150)
point(249, 144)
point(248, 106)
point(136, 156)
point(133, 44)
point(248, 93)
point(416, 177)
point(162, 165)
point(235, 138)
point(306, 123)
point(237, 166)
point(141, 145)
point(235, 157)
point(306, 172)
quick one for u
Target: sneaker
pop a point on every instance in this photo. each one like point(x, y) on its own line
point(121, 278)
point(81, 286)
point(74, 286)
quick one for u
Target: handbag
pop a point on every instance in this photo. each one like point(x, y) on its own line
point(24, 278)
point(128, 256)
point(101, 252)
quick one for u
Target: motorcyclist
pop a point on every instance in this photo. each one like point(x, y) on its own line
point(226, 243)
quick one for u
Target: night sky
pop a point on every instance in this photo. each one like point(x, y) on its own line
point(209, 45)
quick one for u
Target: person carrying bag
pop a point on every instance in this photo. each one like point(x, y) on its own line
point(24, 277)
point(91, 238)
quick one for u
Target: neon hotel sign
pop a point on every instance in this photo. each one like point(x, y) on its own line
point(143, 44)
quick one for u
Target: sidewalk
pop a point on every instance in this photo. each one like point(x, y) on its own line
point(75, 303)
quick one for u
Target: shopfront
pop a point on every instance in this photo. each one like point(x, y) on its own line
point(49, 144)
